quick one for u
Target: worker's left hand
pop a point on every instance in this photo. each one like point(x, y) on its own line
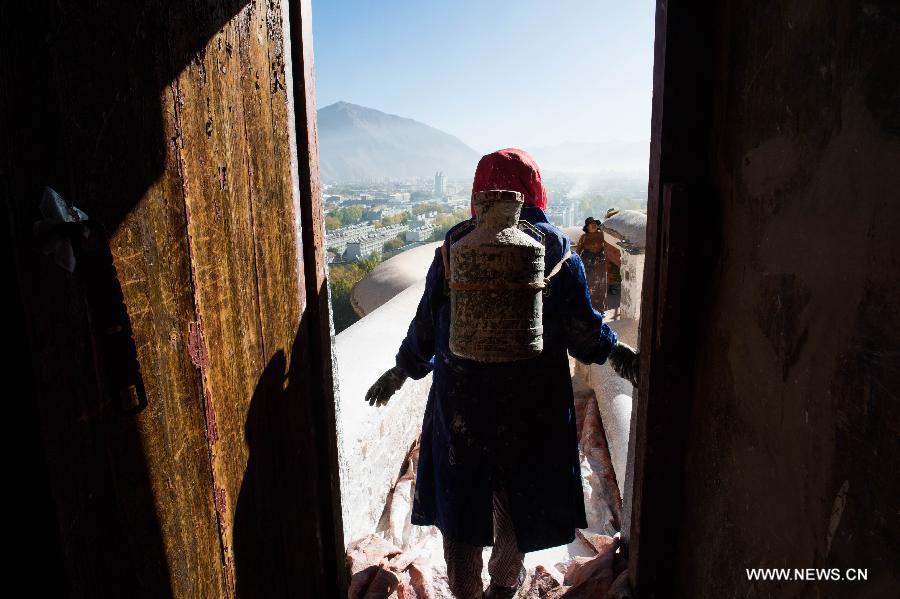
point(386, 385)
point(626, 361)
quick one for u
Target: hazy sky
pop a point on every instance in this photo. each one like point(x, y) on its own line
point(495, 73)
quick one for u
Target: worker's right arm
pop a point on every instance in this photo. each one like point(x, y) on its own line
point(589, 339)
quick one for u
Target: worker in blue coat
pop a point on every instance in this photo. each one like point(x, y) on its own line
point(499, 463)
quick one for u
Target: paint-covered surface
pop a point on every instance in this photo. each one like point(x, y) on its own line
point(788, 410)
point(373, 440)
point(391, 277)
point(614, 400)
point(629, 226)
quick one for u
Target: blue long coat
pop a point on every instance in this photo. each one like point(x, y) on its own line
point(512, 424)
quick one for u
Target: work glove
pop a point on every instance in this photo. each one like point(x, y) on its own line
point(386, 385)
point(626, 362)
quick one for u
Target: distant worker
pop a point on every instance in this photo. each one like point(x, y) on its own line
point(499, 460)
point(591, 248)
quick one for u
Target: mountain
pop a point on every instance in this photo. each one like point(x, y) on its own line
point(358, 143)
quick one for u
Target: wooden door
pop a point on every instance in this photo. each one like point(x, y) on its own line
point(181, 368)
point(767, 416)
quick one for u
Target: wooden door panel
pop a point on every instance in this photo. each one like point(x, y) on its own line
point(171, 125)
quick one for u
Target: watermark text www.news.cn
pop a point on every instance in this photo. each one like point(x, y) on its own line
point(808, 574)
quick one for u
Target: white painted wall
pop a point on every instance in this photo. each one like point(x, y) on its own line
point(614, 399)
point(391, 277)
point(374, 441)
point(632, 269)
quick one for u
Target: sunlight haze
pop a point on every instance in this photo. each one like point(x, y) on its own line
point(530, 74)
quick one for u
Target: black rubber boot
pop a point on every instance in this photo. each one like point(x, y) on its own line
point(498, 592)
point(495, 591)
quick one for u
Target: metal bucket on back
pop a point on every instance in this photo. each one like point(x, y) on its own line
point(496, 283)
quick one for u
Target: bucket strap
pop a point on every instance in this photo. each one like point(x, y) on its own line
point(446, 259)
point(558, 266)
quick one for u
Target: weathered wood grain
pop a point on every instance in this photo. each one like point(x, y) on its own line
point(318, 311)
point(174, 126)
point(152, 257)
point(243, 228)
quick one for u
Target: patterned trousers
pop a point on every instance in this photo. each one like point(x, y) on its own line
point(595, 271)
point(464, 561)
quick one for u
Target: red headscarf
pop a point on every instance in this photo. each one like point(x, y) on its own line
point(513, 170)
